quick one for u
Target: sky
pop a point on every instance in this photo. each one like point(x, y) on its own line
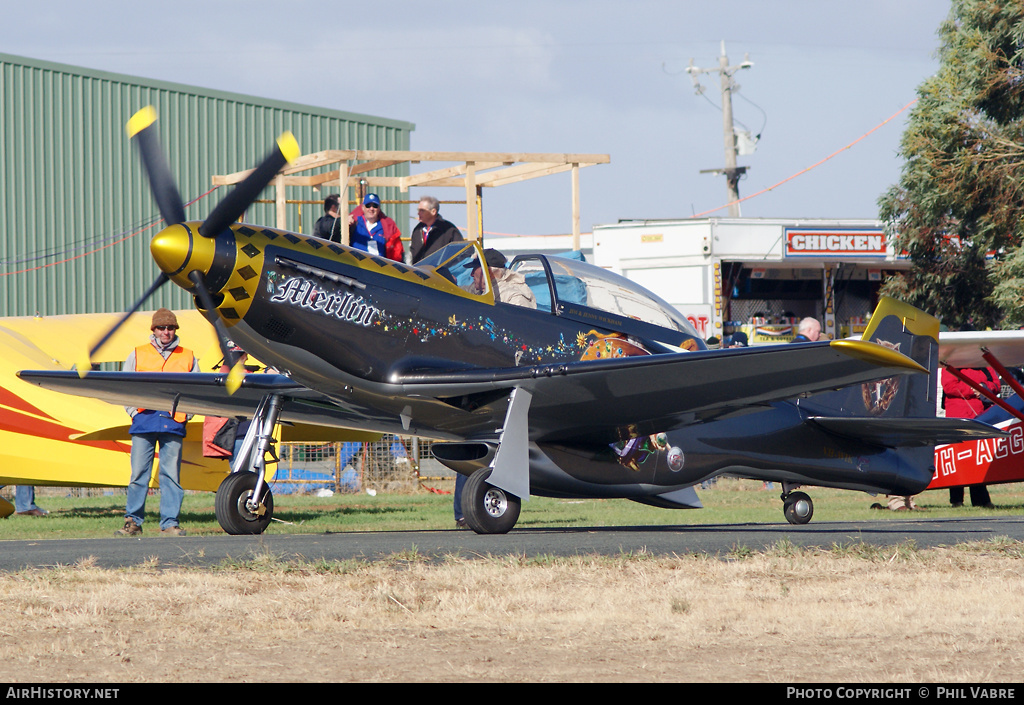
point(567, 76)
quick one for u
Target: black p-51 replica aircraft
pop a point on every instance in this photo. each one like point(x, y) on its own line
point(603, 390)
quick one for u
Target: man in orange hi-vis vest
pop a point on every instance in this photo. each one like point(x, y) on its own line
point(152, 428)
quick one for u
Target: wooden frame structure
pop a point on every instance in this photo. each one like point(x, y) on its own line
point(472, 171)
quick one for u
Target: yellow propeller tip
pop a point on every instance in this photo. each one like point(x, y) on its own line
point(289, 146)
point(84, 366)
point(235, 376)
point(141, 120)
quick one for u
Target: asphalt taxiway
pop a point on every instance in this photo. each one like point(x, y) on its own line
point(715, 540)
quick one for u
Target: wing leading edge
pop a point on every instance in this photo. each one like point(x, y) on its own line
point(205, 394)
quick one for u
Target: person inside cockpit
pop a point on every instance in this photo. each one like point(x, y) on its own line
point(509, 287)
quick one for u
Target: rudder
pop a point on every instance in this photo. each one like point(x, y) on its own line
point(905, 329)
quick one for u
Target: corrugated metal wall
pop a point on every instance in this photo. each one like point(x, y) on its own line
point(76, 213)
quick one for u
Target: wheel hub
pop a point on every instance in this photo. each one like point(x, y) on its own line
point(248, 508)
point(495, 502)
point(801, 508)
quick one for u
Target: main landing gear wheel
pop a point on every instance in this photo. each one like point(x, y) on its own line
point(798, 507)
point(488, 509)
point(233, 511)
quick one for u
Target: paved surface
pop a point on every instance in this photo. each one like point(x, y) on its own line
point(199, 551)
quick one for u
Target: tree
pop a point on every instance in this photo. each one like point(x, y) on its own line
point(958, 209)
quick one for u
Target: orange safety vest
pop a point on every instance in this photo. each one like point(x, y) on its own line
point(148, 359)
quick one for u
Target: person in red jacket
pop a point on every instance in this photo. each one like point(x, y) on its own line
point(961, 401)
point(371, 230)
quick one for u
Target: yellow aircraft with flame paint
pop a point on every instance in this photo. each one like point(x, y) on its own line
point(49, 438)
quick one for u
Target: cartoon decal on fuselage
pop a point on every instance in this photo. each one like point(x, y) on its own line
point(878, 395)
point(636, 451)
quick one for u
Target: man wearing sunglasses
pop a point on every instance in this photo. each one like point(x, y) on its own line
point(152, 428)
point(370, 230)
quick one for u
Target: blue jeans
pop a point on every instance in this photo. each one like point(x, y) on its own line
point(24, 498)
point(143, 449)
point(460, 481)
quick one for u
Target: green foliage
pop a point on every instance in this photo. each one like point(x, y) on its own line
point(961, 190)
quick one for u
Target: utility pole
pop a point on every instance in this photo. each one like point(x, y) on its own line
point(731, 171)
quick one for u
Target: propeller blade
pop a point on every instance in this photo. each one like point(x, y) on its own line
point(142, 129)
point(235, 203)
point(85, 364)
point(232, 360)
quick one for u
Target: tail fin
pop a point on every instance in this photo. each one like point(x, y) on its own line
point(897, 411)
point(914, 333)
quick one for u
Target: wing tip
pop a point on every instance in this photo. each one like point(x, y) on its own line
point(876, 354)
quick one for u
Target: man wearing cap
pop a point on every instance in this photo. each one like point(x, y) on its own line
point(370, 230)
point(432, 232)
point(509, 287)
point(151, 428)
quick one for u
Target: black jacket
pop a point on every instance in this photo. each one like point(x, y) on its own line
point(441, 233)
point(328, 227)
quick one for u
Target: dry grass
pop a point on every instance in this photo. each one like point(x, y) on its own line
point(853, 614)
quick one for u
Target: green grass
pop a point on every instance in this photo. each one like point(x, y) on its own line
point(728, 502)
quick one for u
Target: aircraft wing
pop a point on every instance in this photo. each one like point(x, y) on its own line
point(591, 400)
point(965, 348)
point(203, 393)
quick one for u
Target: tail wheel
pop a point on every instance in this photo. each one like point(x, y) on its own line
point(798, 508)
point(488, 509)
point(232, 505)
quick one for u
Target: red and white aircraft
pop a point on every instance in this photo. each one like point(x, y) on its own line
point(987, 461)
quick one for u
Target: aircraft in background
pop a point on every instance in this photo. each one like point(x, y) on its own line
point(51, 439)
point(988, 461)
point(603, 390)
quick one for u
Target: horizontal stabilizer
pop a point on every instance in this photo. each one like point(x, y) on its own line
point(908, 432)
point(685, 498)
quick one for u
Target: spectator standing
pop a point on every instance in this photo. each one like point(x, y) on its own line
point(960, 400)
point(371, 230)
point(432, 232)
point(328, 226)
point(151, 429)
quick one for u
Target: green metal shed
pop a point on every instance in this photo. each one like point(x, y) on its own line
point(76, 213)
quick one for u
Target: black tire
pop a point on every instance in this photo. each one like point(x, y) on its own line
point(798, 508)
point(232, 514)
point(488, 509)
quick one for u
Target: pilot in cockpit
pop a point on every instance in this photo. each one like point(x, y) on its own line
point(509, 287)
